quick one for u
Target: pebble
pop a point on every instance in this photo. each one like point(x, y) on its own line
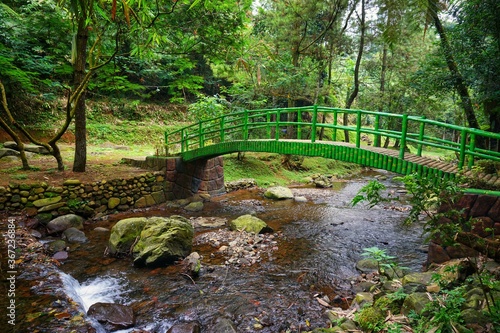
point(240, 248)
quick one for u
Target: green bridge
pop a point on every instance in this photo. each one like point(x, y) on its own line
point(322, 131)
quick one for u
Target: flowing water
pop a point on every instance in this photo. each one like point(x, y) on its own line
point(318, 244)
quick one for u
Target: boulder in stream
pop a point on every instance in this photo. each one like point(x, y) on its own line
point(250, 223)
point(278, 193)
point(163, 241)
point(124, 234)
point(61, 223)
point(112, 316)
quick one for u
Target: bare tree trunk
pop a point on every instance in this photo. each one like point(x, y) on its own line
point(80, 159)
point(355, 91)
point(458, 79)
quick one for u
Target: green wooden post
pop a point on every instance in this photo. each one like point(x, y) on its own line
point(334, 138)
point(200, 134)
point(421, 137)
point(183, 141)
point(299, 128)
point(463, 142)
point(277, 132)
point(472, 148)
point(313, 125)
point(358, 129)
point(268, 124)
point(245, 125)
point(404, 129)
point(166, 144)
point(376, 139)
point(221, 125)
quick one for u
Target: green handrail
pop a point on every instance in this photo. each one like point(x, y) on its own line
point(266, 124)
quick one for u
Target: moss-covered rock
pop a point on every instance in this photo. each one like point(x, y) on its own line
point(249, 223)
point(415, 302)
point(163, 241)
point(124, 234)
point(369, 318)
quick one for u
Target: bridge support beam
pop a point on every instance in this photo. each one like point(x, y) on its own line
point(184, 179)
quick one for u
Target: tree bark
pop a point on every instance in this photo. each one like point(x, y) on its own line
point(355, 91)
point(458, 79)
point(80, 158)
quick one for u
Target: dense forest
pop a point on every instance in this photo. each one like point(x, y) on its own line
point(439, 59)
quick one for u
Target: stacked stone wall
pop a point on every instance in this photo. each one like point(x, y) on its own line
point(485, 212)
point(102, 197)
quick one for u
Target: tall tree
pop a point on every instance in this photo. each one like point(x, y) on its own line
point(433, 8)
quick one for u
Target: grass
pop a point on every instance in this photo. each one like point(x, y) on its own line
point(267, 169)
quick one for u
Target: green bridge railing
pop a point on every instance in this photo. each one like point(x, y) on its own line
point(316, 123)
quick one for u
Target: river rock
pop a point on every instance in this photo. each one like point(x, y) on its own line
point(415, 302)
point(224, 325)
point(73, 235)
point(163, 241)
point(192, 263)
point(196, 206)
point(250, 223)
point(191, 327)
point(56, 246)
point(112, 316)
point(124, 234)
point(61, 223)
point(278, 193)
point(240, 184)
point(367, 266)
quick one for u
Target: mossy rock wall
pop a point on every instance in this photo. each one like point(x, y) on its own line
point(73, 196)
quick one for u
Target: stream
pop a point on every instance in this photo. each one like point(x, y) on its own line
point(315, 248)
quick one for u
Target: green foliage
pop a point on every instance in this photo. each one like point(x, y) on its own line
point(371, 192)
point(385, 262)
point(208, 107)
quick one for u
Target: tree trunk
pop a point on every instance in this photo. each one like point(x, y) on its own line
point(80, 159)
point(383, 71)
point(355, 91)
point(458, 79)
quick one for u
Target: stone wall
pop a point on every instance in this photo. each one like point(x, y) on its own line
point(72, 196)
point(485, 210)
point(171, 179)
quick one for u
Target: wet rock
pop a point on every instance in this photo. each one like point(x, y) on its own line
point(124, 234)
point(224, 325)
point(278, 193)
point(56, 246)
point(196, 206)
point(250, 223)
point(300, 199)
point(191, 327)
point(192, 264)
point(163, 241)
point(61, 223)
point(61, 255)
point(208, 222)
point(74, 235)
point(112, 316)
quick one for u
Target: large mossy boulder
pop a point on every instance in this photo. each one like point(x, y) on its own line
point(124, 234)
point(250, 223)
point(163, 241)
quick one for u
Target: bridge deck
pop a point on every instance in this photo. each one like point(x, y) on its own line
point(491, 180)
